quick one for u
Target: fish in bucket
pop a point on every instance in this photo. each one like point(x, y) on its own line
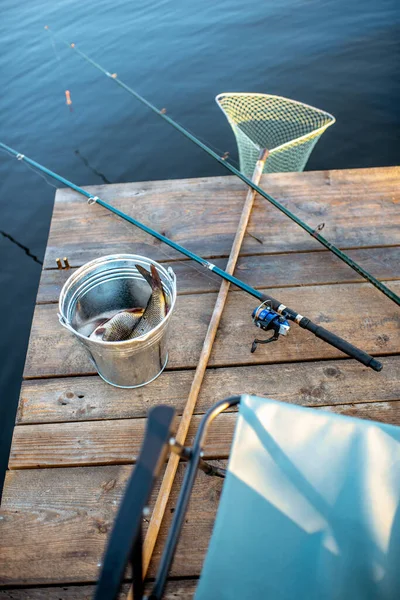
point(119, 307)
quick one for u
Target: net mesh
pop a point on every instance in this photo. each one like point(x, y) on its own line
point(288, 129)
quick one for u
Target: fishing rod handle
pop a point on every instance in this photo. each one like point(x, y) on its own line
point(341, 344)
point(323, 334)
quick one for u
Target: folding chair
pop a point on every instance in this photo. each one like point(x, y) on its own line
point(309, 508)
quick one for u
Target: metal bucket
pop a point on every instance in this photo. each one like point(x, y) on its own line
point(98, 290)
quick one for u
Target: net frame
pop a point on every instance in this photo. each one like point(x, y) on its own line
point(289, 129)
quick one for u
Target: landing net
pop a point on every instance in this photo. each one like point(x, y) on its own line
point(287, 128)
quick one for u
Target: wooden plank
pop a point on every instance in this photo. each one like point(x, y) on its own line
point(384, 412)
point(359, 208)
point(279, 270)
point(55, 523)
point(309, 384)
point(119, 441)
point(176, 590)
point(357, 312)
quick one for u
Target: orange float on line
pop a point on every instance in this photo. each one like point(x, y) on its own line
point(68, 97)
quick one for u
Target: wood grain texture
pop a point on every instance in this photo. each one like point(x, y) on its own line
point(119, 441)
point(55, 523)
point(279, 270)
point(198, 377)
point(309, 384)
point(176, 590)
point(359, 208)
point(356, 312)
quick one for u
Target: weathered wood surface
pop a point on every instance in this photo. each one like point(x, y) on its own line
point(119, 441)
point(278, 270)
point(182, 431)
point(62, 518)
point(54, 521)
point(359, 208)
point(314, 384)
point(176, 590)
point(374, 326)
point(56, 529)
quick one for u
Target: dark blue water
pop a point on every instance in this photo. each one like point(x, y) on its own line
point(338, 55)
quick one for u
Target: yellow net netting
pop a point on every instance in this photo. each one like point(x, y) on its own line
point(287, 128)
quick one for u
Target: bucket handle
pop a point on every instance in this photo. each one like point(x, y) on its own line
point(171, 273)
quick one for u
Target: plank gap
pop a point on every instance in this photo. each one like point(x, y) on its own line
point(232, 365)
point(196, 413)
point(184, 259)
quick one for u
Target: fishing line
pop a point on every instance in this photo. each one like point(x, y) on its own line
point(34, 169)
point(170, 257)
point(53, 43)
point(221, 152)
point(270, 307)
point(310, 230)
point(49, 183)
point(211, 145)
point(63, 78)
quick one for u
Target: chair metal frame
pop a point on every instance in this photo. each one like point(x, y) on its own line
point(125, 543)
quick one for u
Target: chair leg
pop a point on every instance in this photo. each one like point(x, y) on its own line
point(125, 542)
point(137, 566)
point(183, 500)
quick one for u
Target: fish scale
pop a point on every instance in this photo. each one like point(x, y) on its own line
point(119, 327)
point(135, 322)
point(156, 308)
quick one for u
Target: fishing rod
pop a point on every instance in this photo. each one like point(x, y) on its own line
point(314, 232)
point(270, 315)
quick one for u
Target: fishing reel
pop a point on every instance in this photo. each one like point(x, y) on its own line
point(267, 319)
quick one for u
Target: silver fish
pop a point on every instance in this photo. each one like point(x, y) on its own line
point(156, 308)
point(119, 327)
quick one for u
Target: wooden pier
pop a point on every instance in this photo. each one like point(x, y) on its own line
point(76, 437)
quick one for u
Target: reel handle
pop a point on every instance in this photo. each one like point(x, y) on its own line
point(341, 344)
point(323, 334)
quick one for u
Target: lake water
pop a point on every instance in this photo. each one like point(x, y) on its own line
point(334, 54)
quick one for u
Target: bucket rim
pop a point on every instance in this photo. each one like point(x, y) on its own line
point(167, 272)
